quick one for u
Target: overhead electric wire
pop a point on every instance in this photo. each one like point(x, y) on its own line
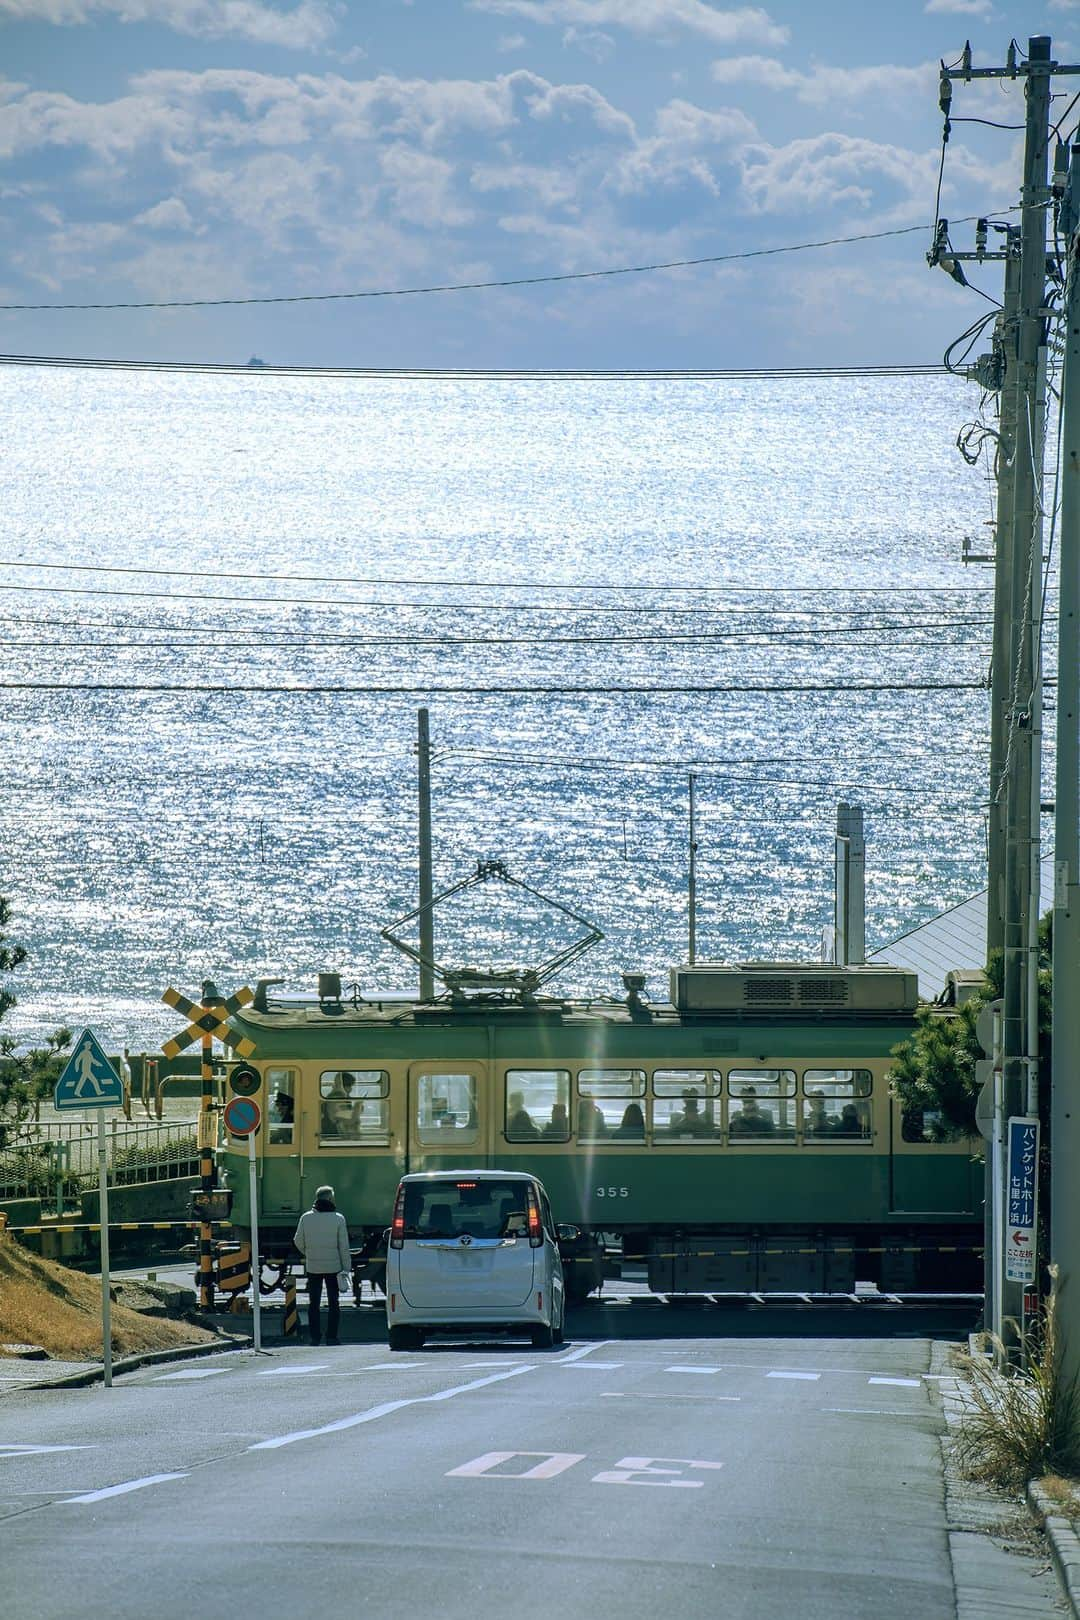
point(477, 286)
point(409, 582)
point(480, 373)
point(603, 690)
point(491, 607)
point(277, 637)
point(747, 639)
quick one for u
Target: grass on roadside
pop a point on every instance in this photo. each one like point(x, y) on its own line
point(49, 1305)
point(1024, 1425)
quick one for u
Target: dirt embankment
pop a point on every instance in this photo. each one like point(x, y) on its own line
point(49, 1305)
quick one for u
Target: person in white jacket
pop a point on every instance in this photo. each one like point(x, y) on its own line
point(323, 1239)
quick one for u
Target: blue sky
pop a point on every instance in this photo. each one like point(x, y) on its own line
point(184, 149)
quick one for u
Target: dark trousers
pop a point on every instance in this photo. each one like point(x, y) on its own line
point(333, 1305)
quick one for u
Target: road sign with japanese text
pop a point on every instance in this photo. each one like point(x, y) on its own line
point(1022, 1200)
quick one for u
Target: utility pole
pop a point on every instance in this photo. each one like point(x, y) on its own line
point(850, 887)
point(692, 886)
point(1065, 1064)
point(1001, 664)
point(1020, 1031)
point(1016, 725)
point(426, 919)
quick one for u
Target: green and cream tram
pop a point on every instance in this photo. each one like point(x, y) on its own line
point(741, 1136)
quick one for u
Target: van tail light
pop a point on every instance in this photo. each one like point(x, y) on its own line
point(397, 1228)
point(536, 1230)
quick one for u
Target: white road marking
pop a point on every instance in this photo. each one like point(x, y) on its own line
point(556, 1462)
point(627, 1469)
point(122, 1490)
point(686, 1368)
point(387, 1407)
point(581, 1352)
point(592, 1366)
point(13, 1448)
point(907, 1383)
point(467, 1366)
point(189, 1372)
point(876, 1411)
point(809, 1376)
point(669, 1395)
point(293, 1372)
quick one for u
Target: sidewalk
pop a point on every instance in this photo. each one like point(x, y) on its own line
point(17, 1374)
point(1001, 1557)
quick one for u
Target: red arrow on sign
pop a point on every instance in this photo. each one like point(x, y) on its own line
point(1021, 1237)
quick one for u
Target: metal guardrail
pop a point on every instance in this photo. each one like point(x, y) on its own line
point(55, 1160)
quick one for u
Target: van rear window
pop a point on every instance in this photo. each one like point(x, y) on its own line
point(449, 1209)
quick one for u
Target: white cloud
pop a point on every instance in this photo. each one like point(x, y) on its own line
point(687, 142)
point(510, 42)
point(567, 100)
point(591, 41)
point(821, 86)
point(824, 170)
point(747, 25)
point(553, 187)
point(969, 8)
point(171, 214)
point(304, 27)
point(421, 188)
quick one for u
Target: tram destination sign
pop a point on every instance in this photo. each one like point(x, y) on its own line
point(1022, 1200)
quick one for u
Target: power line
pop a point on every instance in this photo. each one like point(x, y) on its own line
point(278, 637)
point(501, 691)
point(480, 286)
point(361, 579)
point(215, 368)
point(582, 609)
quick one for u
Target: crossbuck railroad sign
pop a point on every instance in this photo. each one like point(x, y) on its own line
point(208, 1021)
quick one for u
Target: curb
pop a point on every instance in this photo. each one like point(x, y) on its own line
point(1064, 1543)
point(149, 1358)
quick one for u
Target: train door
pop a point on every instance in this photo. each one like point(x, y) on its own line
point(283, 1195)
point(451, 1119)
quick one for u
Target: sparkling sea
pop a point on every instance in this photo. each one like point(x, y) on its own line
point(157, 838)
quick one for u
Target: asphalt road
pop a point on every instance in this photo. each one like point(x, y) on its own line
point(746, 1478)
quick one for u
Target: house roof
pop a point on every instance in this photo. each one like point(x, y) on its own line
point(954, 940)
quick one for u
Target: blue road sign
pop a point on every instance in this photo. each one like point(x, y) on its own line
point(89, 1079)
point(1023, 1190)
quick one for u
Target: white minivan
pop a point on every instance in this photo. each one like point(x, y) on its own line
point(473, 1250)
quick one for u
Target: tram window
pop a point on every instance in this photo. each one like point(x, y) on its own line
point(446, 1110)
point(606, 1107)
point(281, 1088)
point(762, 1105)
point(839, 1082)
point(354, 1107)
point(835, 1103)
point(683, 1106)
point(537, 1105)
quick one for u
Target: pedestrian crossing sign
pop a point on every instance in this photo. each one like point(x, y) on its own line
point(89, 1079)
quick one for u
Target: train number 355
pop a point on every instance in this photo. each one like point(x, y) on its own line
point(612, 1192)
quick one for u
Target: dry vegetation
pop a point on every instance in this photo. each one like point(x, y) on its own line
point(49, 1305)
point(1024, 1426)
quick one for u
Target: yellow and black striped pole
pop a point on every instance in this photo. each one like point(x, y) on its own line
point(210, 999)
point(208, 1020)
point(291, 1321)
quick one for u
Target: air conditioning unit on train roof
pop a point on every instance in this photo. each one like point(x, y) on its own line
point(772, 987)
